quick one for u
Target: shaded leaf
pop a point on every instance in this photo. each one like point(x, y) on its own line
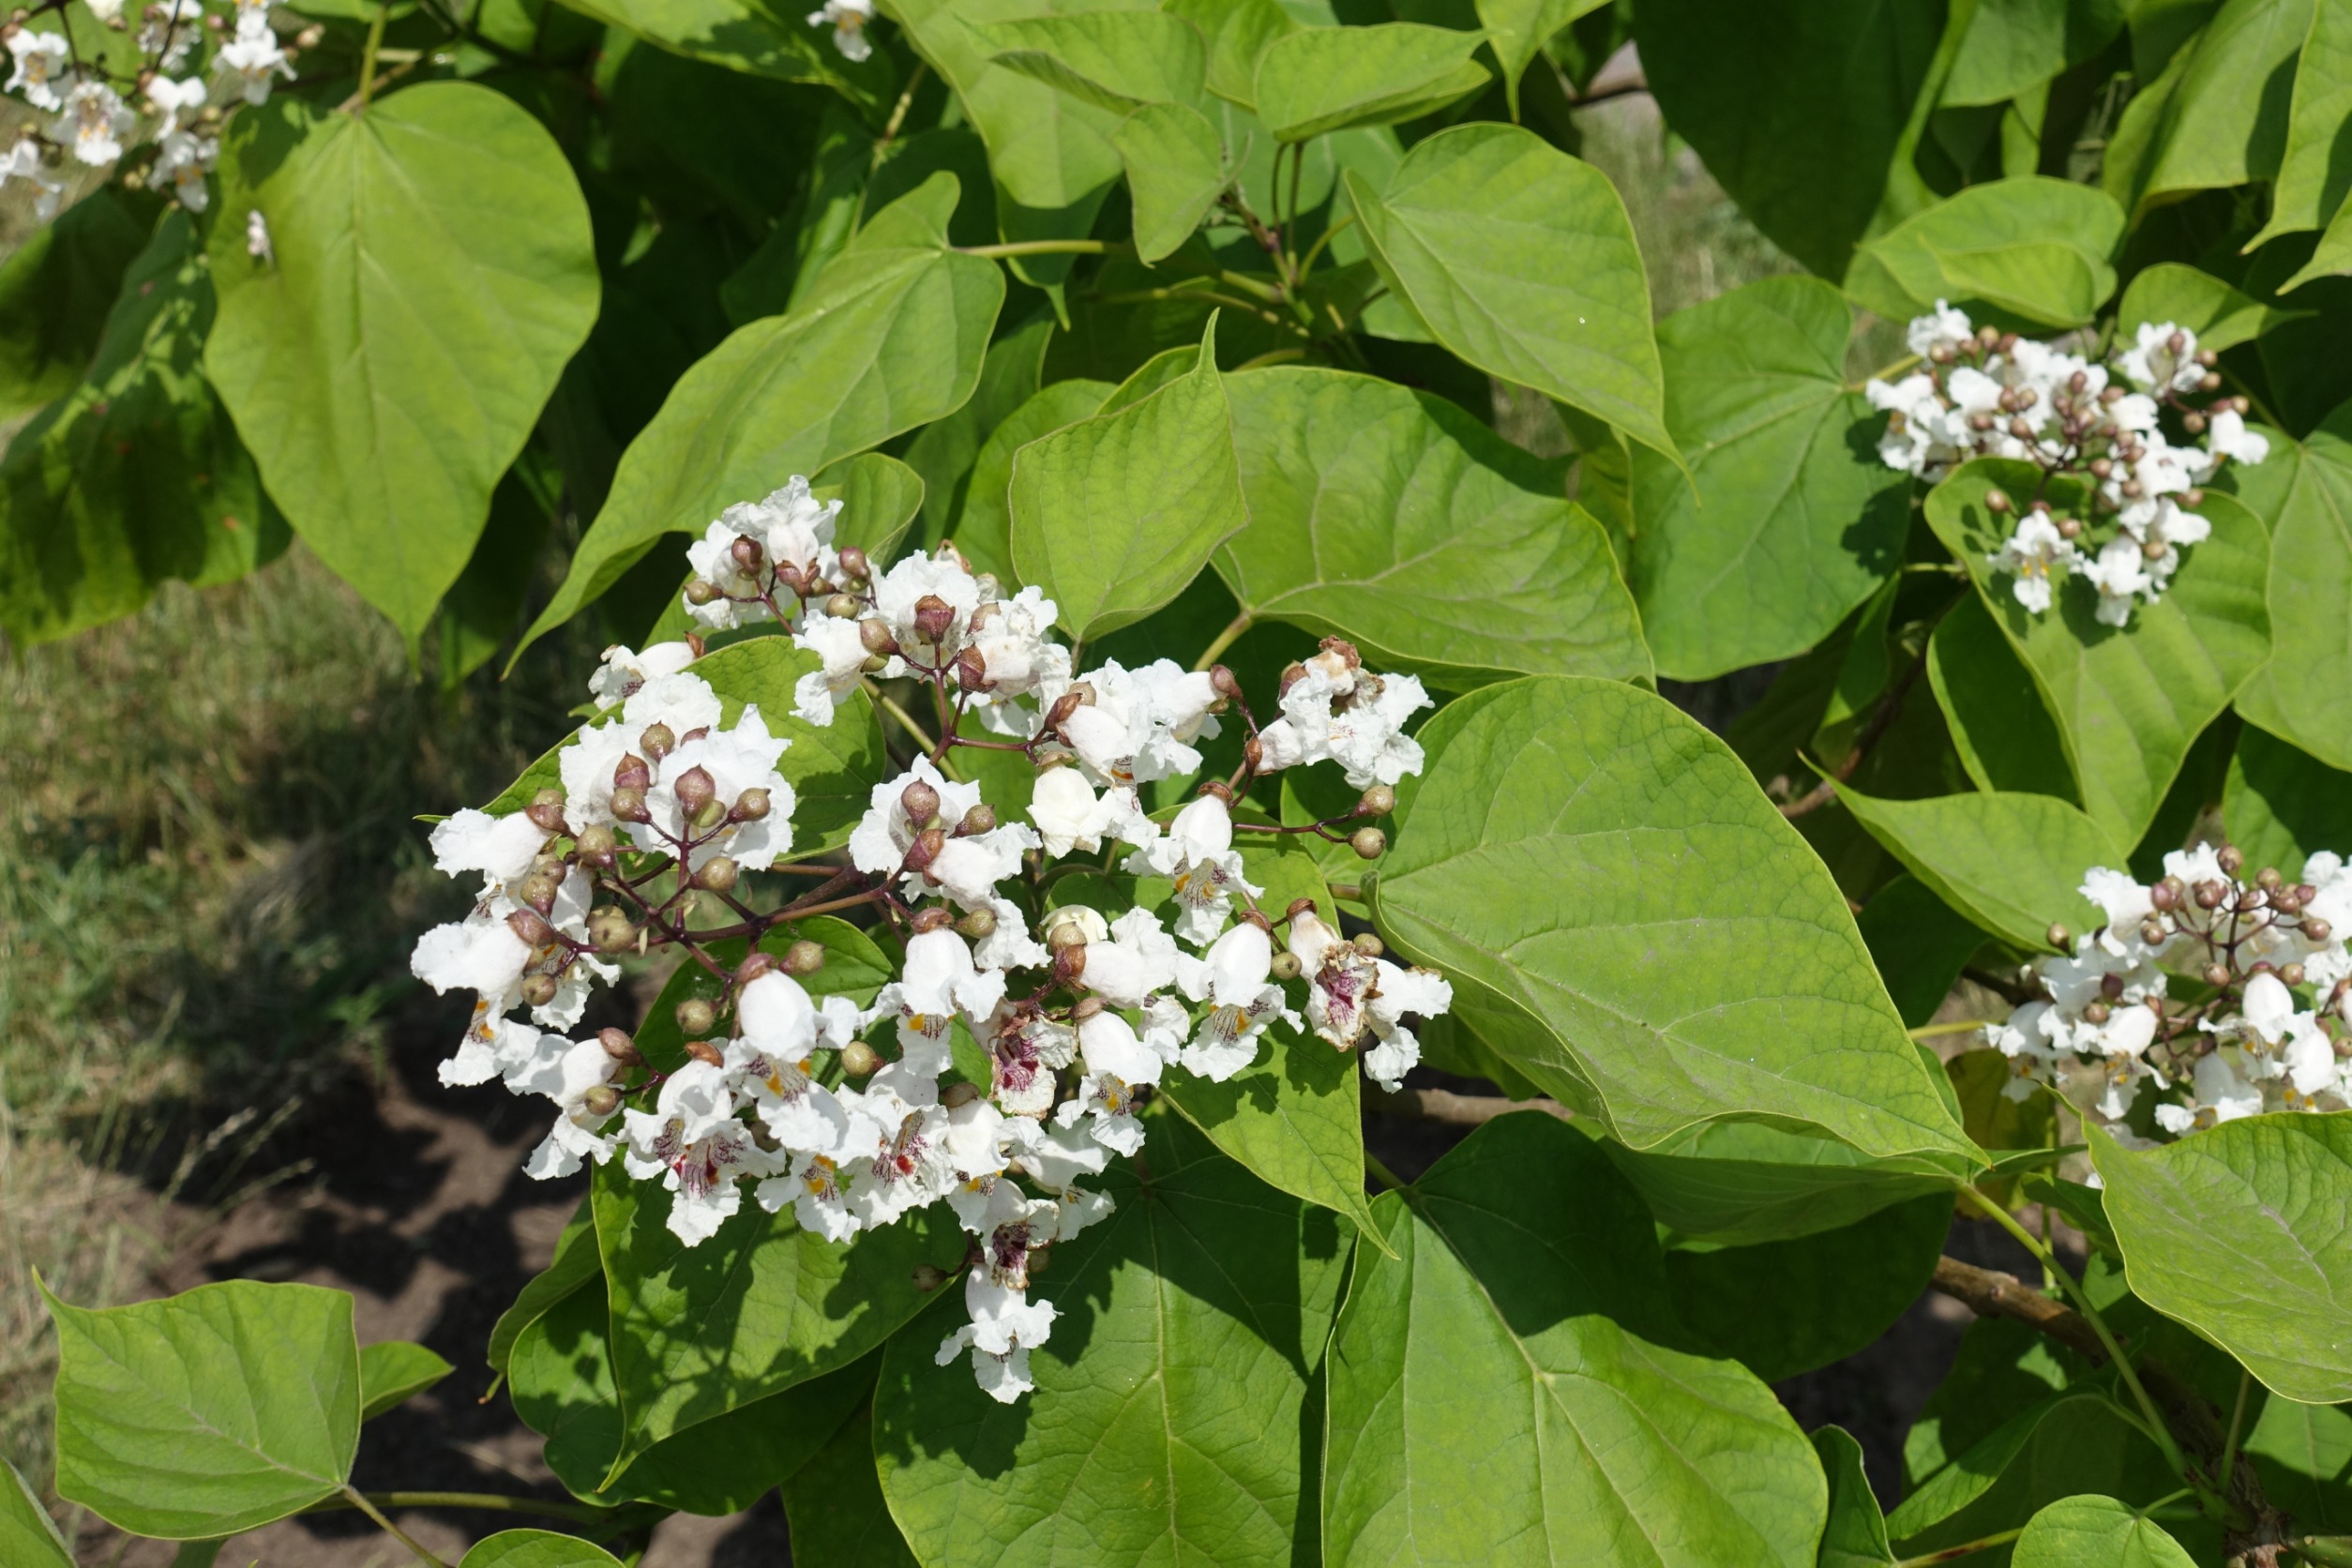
point(835, 1505)
point(394, 1371)
point(575, 1264)
point(2013, 46)
point(2035, 249)
point(1856, 1534)
point(2282, 806)
point(1175, 173)
point(1920, 943)
point(2308, 504)
point(2005, 737)
point(2014, 863)
point(2096, 1533)
point(58, 290)
point(2218, 113)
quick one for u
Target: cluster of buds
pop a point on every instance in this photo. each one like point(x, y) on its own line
point(101, 115)
point(2260, 1022)
point(852, 1111)
point(1981, 392)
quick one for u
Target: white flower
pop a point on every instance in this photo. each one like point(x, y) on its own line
point(1139, 958)
point(502, 849)
point(730, 762)
point(257, 238)
point(1140, 724)
point(939, 980)
point(22, 162)
point(1070, 816)
point(2226, 436)
point(692, 1141)
point(2120, 574)
point(1011, 649)
point(2155, 364)
point(250, 63)
point(571, 1079)
point(1025, 1049)
point(38, 58)
point(171, 99)
point(169, 32)
point(186, 157)
point(623, 670)
point(913, 1167)
point(1351, 995)
point(848, 20)
point(1943, 328)
point(481, 953)
point(1005, 1325)
point(1116, 1064)
point(840, 650)
point(2030, 554)
point(819, 1200)
point(792, 535)
point(1233, 978)
point(109, 12)
point(96, 122)
point(964, 866)
point(926, 603)
point(1333, 709)
point(1198, 854)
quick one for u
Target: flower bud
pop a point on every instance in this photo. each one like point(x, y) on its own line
point(601, 1100)
point(610, 931)
point(2111, 987)
point(2069, 528)
point(1064, 933)
point(1069, 964)
point(1370, 946)
point(1286, 965)
point(703, 1051)
point(934, 617)
point(794, 581)
point(539, 989)
point(1087, 1007)
point(2193, 498)
point(2209, 382)
point(694, 790)
point(854, 565)
point(1299, 907)
point(2153, 549)
point(2096, 1012)
point(699, 592)
point(956, 1095)
point(750, 806)
point(2192, 422)
point(631, 772)
point(927, 1278)
point(1039, 1260)
point(1292, 673)
point(2022, 431)
point(2165, 894)
point(1081, 695)
point(979, 925)
point(628, 803)
point(926, 848)
point(1378, 801)
point(618, 1045)
point(754, 965)
point(1997, 501)
point(2208, 895)
point(2231, 858)
point(2059, 937)
point(658, 741)
point(746, 553)
point(858, 1059)
point(843, 607)
point(598, 846)
point(2152, 932)
point(2217, 974)
point(980, 819)
point(546, 810)
point(920, 801)
point(2175, 343)
point(2132, 490)
point(1369, 843)
point(932, 919)
point(971, 671)
point(539, 890)
point(717, 874)
point(804, 957)
point(2316, 931)
point(2291, 976)
point(1253, 753)
point(1941, 354)
point(531, 926)
point(1224, 682)
point(695, 1017)
point(874, 633)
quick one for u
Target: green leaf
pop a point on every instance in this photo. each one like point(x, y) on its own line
point(891, 337)
point(575, 1264)
point(1390, 517)
point(2241, 1231)
point(2220, 316)
point(394, 1371)
point(1508, 1388)
point(1113, 59)
point(2005, 737)
point(1518, 30)
point(28, 1536)
point(1521, 259)
point(2033, 249)
point(1918, 942)
point(699, 1332)
point(56, 291)
point(985, 531)
point(1789, 1307)
point(1743, 1183)
point(1238, 33)
point(2096, 1533)
point(2060, 1446)
point(1172, 1410)
point(536, 1548)
point(1175, 173)
point(2304, 1455)
point(431, 271)
point(2331, 258)
point(1113, 516)
point(2129, 701)
point(1319, 79)
point(758, 37)
point(208, 1413)
point(2012, 863)
point(1856, 1534)
point(1800, 122)
point(136, 475)
point(2013, 46)
point(2314, 176)
point(2282, 806)
point(1794, 521)
point(2309, 704)
point(2217, 114)
point(835, 1507)
point(1709, 968)
point(943, 451)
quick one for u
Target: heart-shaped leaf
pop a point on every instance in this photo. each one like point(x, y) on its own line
point(1318, 80)
point(2014, 863)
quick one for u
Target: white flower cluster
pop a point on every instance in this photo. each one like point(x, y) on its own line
point(94, 123)
point(848, 20)
point(2240, 1042)
point(1985, 393)
point(853, 1117)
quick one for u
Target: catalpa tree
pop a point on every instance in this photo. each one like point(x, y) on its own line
point(1091, 704)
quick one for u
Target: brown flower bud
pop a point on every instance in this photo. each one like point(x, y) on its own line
point(926, 848)
point(702, 1051)
point(2208, 358)
point(2209, 382)
point(1224, 682)
point(2208, 895)
point(971, 671)
point(919, 801)
point(717, 874)
point(531, 926)
point(546, 810)
point(2153, 931)
point(1369, 843)
point(539, 890)
point(2069, 528)
point(979, 925)
point(1087, 1007)
point(618, 1045)
point(601, 1100)
point(956, 1095)
point(2231, 858)
point(1370, 946)
point(1997, 501)
point(698, 592)
point(747, 553)
point(694, 789)
point(843, 607)
point(935, 918)
point(874, 633)
point(1253, 753)
point(1286, 965)
point(631, 772)
point(2165, 894)
point(927, 1278)
point(804, 957)
point(980, 819)
point(754, 965)
point(1064, 933)
point(1292, 673)
point(1069, 964)
point(2096, 1012)
point(539, 989)
point(2192, 422)
point(750, 806)
point(2193, 498)
point(599, 845)
point(2153, 549)
point(854, 565)
point(2292, 975)
point(858, 1059)
point(2101, 468)
point(610, 931)
point(1378, 801)
point(628, 803)
point(695, 1017)
point(934, 617)
point(2059, 937)
point(658, 741)
point(2316, 931)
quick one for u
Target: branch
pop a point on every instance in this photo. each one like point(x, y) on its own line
point(1461, 1111)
